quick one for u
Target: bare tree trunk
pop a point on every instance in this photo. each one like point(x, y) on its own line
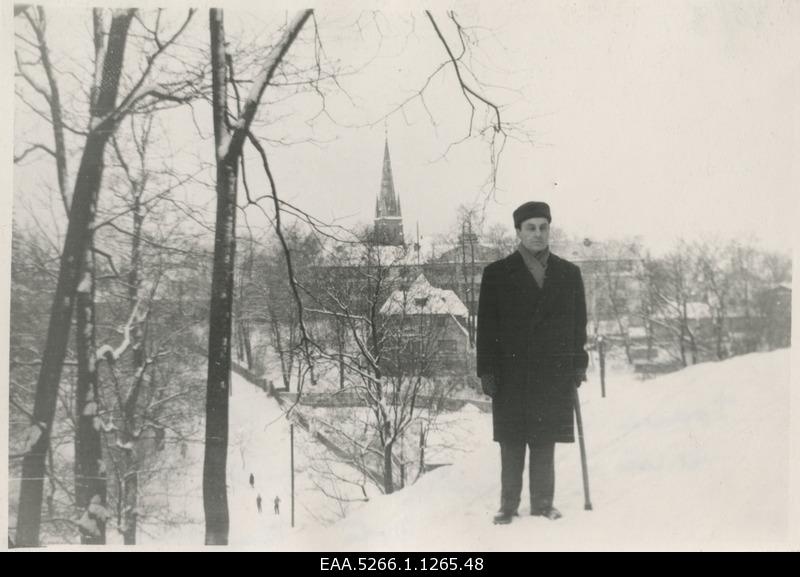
point(247, 347)
point(54, 101)
point(215, 497)
point(720, 331)
point(87, 186)
point(228, 149)
point(286, 368)
point(625, 340)
point(90, 481)
point(388, 477)
point(130, 495)
point(341, 367)
point(130, 460)
point(240, 357)
point(682, 340)
point(243, 324)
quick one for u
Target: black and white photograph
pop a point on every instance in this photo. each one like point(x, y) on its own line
point(398, 277)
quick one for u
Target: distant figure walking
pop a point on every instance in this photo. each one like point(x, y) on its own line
point(252, 480)
point(258, 502)
point(277, 505)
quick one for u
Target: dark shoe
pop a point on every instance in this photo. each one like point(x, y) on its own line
point(504, 517)
point(550, 512)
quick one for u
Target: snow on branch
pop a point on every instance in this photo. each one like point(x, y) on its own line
point(110, 354)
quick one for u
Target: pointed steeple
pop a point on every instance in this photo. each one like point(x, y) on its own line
point(388, 218)
point(388, 203)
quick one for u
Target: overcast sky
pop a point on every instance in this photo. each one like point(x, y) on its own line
point(660, 119)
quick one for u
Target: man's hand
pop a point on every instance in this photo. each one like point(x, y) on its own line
point(489, 385)
point(577, 381)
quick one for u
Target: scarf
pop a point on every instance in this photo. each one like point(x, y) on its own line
point(536, 262)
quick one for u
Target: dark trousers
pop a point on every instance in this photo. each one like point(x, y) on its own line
point(541, 474)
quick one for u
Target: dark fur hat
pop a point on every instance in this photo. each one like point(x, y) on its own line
point(531, 210)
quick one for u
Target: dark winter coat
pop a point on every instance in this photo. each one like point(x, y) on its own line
point(532, 340)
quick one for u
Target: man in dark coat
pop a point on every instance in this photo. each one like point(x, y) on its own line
point(530, 356)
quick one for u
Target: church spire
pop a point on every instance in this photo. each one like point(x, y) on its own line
point(388, 202)
point(388, 218)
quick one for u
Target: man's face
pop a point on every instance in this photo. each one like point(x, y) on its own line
point(534, 233)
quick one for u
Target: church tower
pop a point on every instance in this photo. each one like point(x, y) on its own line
point(388, 218)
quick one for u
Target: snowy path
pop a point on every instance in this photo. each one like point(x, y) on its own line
point(259, 444)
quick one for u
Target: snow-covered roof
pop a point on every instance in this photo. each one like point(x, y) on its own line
point(422, 298)
point(694, 310)
point(358, 254)
point(637, 332)
point(456, 253)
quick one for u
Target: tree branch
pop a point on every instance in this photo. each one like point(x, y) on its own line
point(21, 157)
point(231, 145)
point(138, 92)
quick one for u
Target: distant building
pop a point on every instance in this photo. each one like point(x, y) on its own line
point(775, 304)
point(388, 228)
point(428, 328)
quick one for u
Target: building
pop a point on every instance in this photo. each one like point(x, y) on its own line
point(428, 330)
point(775, 304)
point(388, 228)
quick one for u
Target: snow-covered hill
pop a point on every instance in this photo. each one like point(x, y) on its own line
point(698, 459)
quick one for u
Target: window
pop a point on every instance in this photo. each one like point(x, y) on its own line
point(421, 301)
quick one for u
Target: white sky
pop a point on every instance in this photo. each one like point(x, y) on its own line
point(663, 120)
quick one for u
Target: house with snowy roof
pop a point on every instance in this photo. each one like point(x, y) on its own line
point(429, 330)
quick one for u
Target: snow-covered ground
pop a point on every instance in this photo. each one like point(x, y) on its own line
point(697, 459)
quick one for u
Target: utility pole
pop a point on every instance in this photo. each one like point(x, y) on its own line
point(402, 460)
point(421, 450)
point(601, 350)
point(291, 457)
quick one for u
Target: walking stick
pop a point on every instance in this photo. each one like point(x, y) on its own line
point(576, 401)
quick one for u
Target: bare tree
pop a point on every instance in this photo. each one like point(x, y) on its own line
point(105, 113)
point(468, 238)
point(228, 141)
point(390, 353)
point(89, 481)
point(713, 274)
point(84, 200)
point(614, 272)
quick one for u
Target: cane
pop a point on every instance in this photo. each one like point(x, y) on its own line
point(576, 401)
